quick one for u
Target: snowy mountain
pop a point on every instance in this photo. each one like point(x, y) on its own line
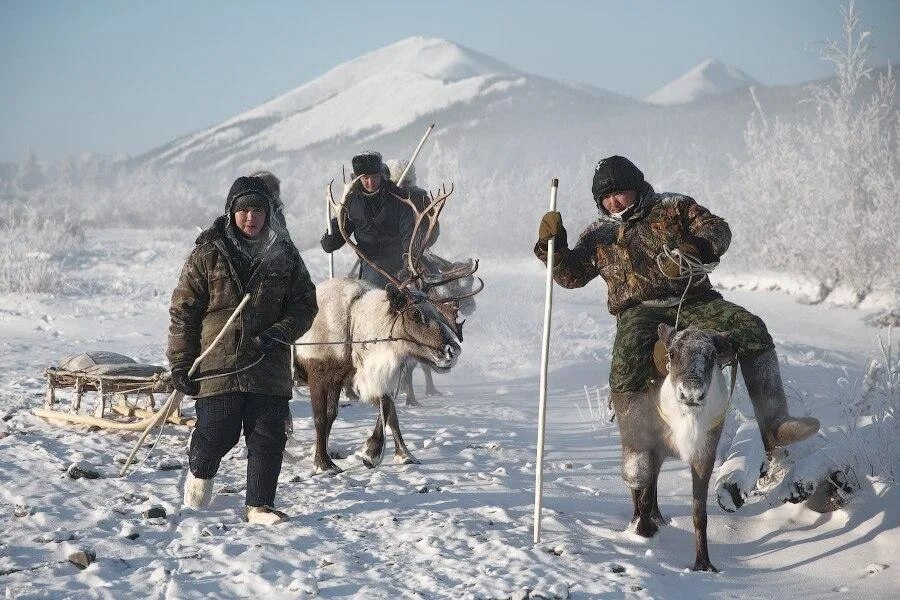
point(709, 78)
point(370, 97)
point(501, 135)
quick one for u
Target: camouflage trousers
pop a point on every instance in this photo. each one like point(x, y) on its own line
point(636, 333)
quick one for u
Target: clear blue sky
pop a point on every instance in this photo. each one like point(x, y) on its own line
point(123, 77)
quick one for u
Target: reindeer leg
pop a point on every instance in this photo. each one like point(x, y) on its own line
point(319, 398)
point(406, 377)
point(430, 390)
point(372, 452)
point(701, 469)
point(645, 527)
point(331, 410)
point(655, 513)
point(640, 470)
point(402, 455)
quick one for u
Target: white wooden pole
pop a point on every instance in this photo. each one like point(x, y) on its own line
point(328, 228)
point(414, 156)
point(542, 401)
point(176, 397)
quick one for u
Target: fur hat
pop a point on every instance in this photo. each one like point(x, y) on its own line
point(247, 192)
point(615, 174)
point(367, 163)
point(272, 182)
point(396, 167)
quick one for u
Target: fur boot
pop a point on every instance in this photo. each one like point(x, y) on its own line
point(763, 379)
point(264, 515)
point(197, 492)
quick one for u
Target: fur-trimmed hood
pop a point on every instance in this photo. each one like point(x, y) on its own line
point(646, 198)
point(224, 227)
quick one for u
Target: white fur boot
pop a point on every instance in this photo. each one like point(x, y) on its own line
point(197, 492)
point(264, 515)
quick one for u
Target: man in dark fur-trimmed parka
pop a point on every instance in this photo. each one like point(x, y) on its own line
point(636, 224)
point(378, 218)
point(245, 382)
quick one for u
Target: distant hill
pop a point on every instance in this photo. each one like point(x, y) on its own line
point(709, 78)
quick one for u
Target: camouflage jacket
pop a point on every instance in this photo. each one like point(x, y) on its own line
point(624, 252)
point(212, 284)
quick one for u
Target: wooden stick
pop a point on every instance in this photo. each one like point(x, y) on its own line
point(414, 156)
point(328, 229)
point(55, 415)
point(542, 401)
point(176, 397)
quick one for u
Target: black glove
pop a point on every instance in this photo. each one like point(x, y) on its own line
point(182, 382)
point(267, 343)
point(327, 243)
point(334, 240)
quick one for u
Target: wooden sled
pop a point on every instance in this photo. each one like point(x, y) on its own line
point(124, 388)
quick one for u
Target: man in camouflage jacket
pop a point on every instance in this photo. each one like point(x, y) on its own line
point(636, 224)
point(245, 382)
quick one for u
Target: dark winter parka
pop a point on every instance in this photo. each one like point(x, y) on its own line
point(381, 223)
point(212, 283)
point(624, 252)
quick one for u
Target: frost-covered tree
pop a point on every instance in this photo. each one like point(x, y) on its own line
point(820, 195)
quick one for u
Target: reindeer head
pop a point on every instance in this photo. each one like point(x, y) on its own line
point(428, 330)
point(693, 354)
point(451, 283)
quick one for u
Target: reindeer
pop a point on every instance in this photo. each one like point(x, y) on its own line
point(447, 280)
point(382, 330)
point(680, 417)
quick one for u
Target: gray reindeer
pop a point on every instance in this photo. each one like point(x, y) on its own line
point(682, 417)
point(444, 279)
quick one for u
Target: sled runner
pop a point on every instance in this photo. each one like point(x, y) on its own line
point(123, 387)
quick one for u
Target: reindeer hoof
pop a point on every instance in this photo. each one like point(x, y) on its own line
point(370, 459)
point(659, 519)
point(432, 392)
point(406, 459)
point(413, 402)
point(646, 528)
point(327, 470)
point(704, 565)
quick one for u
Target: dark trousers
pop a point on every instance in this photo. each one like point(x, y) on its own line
point(219, 422)
point(372, 276)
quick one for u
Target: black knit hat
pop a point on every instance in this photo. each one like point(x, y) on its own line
point(615, 174)
point(247, 192)
point(367, 163)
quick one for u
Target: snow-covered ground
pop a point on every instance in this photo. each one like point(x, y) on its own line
point(456, 526)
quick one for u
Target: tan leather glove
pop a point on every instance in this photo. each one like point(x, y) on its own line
point(672, 269)
point(552, 228)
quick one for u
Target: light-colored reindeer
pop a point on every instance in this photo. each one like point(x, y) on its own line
point(383, 330)
point(680, 417)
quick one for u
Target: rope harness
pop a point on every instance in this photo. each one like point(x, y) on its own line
point(688, 268)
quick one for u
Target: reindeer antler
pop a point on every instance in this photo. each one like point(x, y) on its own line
point(430, 213)
point(455, 272)
point(341, 211)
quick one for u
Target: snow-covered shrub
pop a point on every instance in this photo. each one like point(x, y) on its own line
point(820, 196)
point(35, 247)
point(871, 428)
point(597, 410)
